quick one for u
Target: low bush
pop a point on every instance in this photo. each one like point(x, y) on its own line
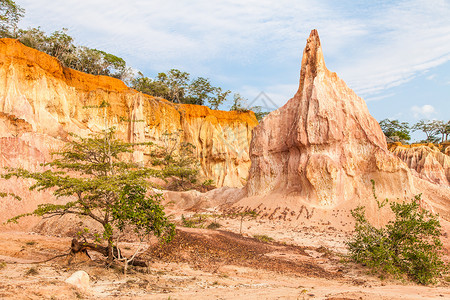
point(409, 245)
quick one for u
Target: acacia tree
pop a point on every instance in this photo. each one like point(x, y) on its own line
point(395, 128)
point(103, 187)
point(441, 128)
point(428, 128)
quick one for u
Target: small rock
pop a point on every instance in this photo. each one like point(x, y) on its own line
point(79, 279)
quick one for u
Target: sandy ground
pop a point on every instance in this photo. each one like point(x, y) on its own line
point(299, 263)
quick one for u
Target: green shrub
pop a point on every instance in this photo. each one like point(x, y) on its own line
point(263, 238)
point(214, 225)
point(410, 244)
point(196, 221)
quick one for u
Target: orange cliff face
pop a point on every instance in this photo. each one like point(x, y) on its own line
point(41, 102)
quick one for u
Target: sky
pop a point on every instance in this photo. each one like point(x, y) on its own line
point(394, 54)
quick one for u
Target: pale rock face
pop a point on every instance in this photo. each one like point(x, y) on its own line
point(41, 102)
point(427, 163)
point(323, 147)
point(79, 279)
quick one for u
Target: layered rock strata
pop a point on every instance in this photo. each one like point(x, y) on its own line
point(426, 161)
point(322, 148)
point(41, 102)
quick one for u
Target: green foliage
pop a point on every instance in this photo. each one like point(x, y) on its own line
point(149, 86)
point(102, 186)
point(259, 114)
point(246, 214)
point(239, 103)
point(176, 86)
point(214, 225)
point(199, 91)
point(208, 182)
point(219, 98)
point(176, 159)
point(195, 221)
point(10, 15)
point(428, 128)
point(177, 83)
point(263, 238)
point(410, 244)
point(395, 129)
point(61, 45)
point(442, 128)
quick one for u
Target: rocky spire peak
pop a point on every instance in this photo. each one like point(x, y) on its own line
point(313, 62)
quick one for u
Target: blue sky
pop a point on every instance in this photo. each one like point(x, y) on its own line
point(394, 54)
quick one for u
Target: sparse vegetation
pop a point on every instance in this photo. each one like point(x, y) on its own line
point(173, 85)
point(196, 221)
point(410, 244)
point(214, 225)
point(33, 271)
point(263, 238)
point(104, 187)
point(435, 130)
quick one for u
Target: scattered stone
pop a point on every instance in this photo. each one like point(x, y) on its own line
point(79, 279)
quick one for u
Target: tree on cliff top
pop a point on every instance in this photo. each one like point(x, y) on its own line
point(10, 15)
point(102, 187)
point(395, 128)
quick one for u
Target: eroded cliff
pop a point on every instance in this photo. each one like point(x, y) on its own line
point(426, 161)
point(323, 147)
point(41, 102)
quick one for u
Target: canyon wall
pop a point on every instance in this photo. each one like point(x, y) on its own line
point(41, 102)
point(425, 161)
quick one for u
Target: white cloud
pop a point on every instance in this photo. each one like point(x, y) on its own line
point(423, 111)
point(379, 97)
point(410, 38)
point(372, 46)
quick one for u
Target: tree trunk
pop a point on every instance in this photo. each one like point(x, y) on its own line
point(83, 247)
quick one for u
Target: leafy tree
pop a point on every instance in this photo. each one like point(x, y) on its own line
point(259, 114)
point(219, 98)
point(177, 82)
point(149, 86)
point(199, 91)
point(441, 128)
point(410, 244)
point(60, 45)
point(428, 128)
point(239, 103)
point(10, 15)
point(447, 130)
point(395, 129)
point(99, 62)
point(34, 38)
point(102, 187)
